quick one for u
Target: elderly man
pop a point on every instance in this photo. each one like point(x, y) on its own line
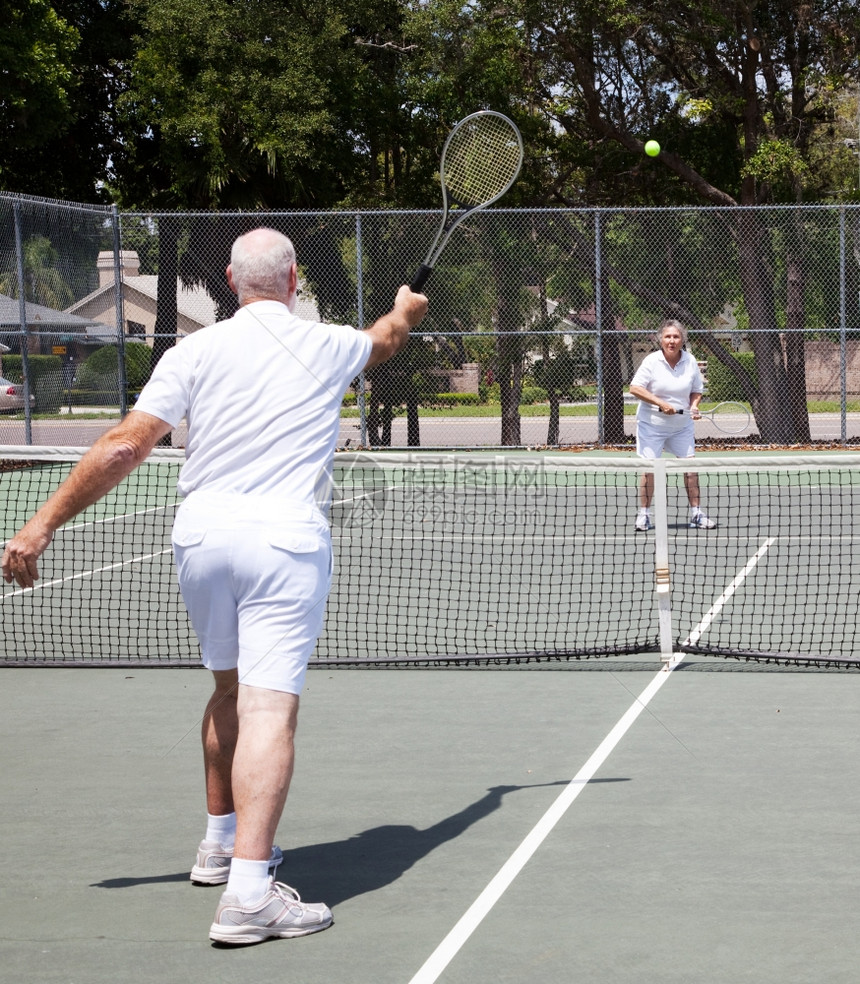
point(261, 393)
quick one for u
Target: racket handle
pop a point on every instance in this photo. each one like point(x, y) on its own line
point(420, 278)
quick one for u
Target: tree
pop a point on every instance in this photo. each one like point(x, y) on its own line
point(65, 81)
point(43, 283)
point(36, 50)
point(737, 92)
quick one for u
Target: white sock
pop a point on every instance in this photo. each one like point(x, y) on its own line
point(695, 511)
point(248, 879)
point(644, 511)
point(221, 829)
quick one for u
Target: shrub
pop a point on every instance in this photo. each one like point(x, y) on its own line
point(46, 379)
point(723, 384)
point(532, 394)
point(452, 400)
point(99, 372)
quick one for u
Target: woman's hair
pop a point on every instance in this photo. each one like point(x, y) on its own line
point(261, 261)
point(671, 323)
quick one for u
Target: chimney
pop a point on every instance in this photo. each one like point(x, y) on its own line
point(129, 265)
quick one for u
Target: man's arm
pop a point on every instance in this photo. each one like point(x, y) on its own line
point(105, 465)
point(391, 333)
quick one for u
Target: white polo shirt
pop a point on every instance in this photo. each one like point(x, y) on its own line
point(672, 385)
point(261, 394)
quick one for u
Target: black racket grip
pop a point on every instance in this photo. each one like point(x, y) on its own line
point(420, 278)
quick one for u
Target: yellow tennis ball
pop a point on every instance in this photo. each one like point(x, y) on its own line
point(652, 148)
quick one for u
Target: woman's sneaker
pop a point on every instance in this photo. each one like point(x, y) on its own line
point(279, 913)
point(643, 522)
point(213, 863)
point(701, 522)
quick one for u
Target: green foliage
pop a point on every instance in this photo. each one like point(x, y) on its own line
point(46, 378)
point(36, 52)
point(532, 394)
point(444, 400)
point(267, 106)
point(99, 372)
point(723, 384)
point(43, 283)
point(38, 366)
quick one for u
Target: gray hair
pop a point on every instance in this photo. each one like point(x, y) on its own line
point(671, 323)
point(261, 261)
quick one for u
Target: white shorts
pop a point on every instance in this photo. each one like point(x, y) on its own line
point(255, 573)
point(652, 439)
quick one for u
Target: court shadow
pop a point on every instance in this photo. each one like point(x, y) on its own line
point(178, 876)
point(368, 861)
point(365, 862)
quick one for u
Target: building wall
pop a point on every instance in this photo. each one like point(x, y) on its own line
point(824, 369)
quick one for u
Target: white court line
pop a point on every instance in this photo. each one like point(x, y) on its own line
point(454, 941)
point(717, 606)
point(82, 574)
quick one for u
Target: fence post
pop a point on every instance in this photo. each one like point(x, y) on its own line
point(118, 308)
point(598, 322)
point(362, 403)
point(22, 317)
point(843, 326)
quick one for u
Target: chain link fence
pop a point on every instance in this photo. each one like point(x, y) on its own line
point(538, 318)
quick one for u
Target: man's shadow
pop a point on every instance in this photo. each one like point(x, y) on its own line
point(344, 869)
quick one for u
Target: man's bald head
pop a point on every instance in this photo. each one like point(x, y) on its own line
point(261, 267)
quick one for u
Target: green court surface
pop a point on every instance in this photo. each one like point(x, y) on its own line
point(608, 822)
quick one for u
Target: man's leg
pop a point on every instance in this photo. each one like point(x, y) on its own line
point(253, 908)
point(219, 732)
point(262, 767)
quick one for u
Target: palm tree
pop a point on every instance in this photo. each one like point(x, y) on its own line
point(43, 283)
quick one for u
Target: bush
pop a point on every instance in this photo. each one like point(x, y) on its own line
point(100, 371)
point(532, 394)
point(46, 379)
point(444, 400)
point(723, 384)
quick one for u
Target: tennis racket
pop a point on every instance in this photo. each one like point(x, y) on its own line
point(729, 417)
point(480, 161)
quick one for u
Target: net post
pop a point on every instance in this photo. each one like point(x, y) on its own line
point(662, 577)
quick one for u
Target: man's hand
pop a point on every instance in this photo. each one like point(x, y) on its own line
point(410, 306)
point(23, 551)
point(391, 333)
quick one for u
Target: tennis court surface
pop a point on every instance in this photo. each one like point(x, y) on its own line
point(714, 842)
point(604, 756)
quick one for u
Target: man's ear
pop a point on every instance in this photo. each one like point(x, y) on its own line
point(230, 283)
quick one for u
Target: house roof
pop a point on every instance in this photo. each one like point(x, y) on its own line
point(193, 303)
point(39, 314)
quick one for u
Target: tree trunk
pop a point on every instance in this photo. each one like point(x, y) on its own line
point(166, 315)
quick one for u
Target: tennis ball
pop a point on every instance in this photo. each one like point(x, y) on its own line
point(652, 148)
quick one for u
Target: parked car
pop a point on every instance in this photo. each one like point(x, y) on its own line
point(12, 396)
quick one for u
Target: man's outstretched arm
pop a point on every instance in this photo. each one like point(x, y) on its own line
point(115, 455)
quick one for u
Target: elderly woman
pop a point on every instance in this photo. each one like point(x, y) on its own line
point(669, 386)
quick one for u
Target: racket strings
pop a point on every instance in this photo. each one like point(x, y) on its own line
point(481, 161)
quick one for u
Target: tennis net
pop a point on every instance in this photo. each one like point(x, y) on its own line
point(478, 558)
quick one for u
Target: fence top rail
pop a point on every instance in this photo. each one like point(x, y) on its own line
point(560, 210)
point(14, 198)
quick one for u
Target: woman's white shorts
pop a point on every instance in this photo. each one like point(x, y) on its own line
point(255, 573)
point(652, 439)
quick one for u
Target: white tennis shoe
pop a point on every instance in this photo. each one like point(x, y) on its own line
point(279, 913)
point(643, 523)
point(701, 522)
point(213, 863)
